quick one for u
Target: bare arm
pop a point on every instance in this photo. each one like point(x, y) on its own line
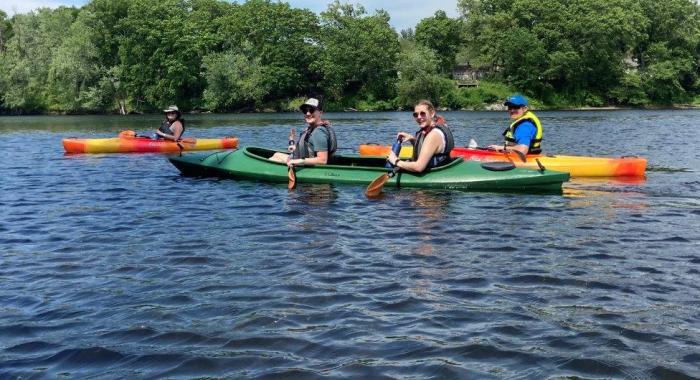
point(176, 127)
point(430, 147)
point(520, 147)
point(320, 159)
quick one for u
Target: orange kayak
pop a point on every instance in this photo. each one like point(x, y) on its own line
point(128, 142)
point(576, 166)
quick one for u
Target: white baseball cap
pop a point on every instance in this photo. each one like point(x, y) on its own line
point(310, 102)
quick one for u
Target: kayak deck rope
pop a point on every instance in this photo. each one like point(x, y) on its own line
point(218, 161)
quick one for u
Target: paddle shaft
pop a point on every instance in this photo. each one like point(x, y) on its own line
point(375, 187)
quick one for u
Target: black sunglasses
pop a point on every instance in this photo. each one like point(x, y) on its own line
point(514, 107)
point(421, 113)
point(308, 109)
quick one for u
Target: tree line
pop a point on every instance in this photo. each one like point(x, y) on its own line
point(211, 55)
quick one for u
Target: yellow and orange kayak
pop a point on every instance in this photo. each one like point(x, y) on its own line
point(128, 142)
point(576, 166)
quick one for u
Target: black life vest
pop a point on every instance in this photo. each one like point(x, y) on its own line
point(438, 158)
point(304, 148)
point(165, 127)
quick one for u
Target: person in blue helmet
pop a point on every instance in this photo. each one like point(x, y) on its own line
point(524, 134)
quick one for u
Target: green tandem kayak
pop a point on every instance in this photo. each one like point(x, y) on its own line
point(252, 163)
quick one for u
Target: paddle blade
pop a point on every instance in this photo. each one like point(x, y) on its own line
point(520, 155)
point(376, 186)
point(128, 134)
point(292, 178)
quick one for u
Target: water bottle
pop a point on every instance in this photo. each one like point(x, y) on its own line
point(472, 144)
point(292, 139)
point(396, 148)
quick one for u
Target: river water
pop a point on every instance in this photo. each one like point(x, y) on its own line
point(115, 266)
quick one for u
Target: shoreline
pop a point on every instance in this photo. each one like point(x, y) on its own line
point(489, 108)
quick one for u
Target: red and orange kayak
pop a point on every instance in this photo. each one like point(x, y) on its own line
point(128, 142)
point(576, 166)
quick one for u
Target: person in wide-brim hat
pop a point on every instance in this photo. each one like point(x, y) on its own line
point(174, 125)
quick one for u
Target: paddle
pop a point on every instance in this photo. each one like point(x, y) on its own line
point(520, 154)
point(375, 187)
point(292, 178)
point(187, 140)
point(291, 173)
point(542, 169)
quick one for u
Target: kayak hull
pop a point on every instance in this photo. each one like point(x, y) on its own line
point(252, 163)
point(577, 166)
point(144, 145)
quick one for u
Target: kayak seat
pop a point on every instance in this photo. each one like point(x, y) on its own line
point(498, 166)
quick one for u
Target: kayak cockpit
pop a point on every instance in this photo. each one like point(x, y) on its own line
point(343, 161)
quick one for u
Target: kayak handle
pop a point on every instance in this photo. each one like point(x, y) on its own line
point(542, 169)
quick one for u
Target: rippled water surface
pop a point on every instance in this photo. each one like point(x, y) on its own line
point(115, 266)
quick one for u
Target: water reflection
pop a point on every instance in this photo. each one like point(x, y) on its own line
point(618, 192)
point(315, 194)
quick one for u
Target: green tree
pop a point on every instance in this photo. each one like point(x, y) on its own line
point(235, 80)
point(443, 35)
point(554, 46)
point(160, 54)
point(5, 30)
point(358, 52)
point(284, 40)
point(27, 55)
point(668, 57)
point(74, 70)
point(419, 77)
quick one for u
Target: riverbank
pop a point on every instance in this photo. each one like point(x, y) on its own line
point(495, 107)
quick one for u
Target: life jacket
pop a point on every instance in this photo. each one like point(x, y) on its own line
point(165, 127)
point(536, 143)
point(438, 158)
point(304, 149)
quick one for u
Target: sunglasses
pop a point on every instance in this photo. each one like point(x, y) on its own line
point(309, 109)
point(510, 108)
point(421, 113)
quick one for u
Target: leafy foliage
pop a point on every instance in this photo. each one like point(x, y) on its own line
point(443, 35)
point(590, 51)
point(139, 56)
point(358, 51)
